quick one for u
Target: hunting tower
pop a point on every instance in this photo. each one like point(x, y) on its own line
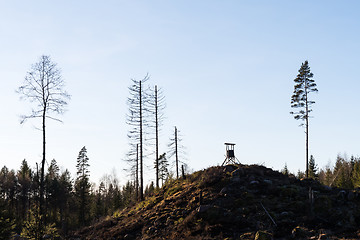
point(230, 155)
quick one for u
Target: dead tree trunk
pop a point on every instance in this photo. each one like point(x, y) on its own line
point(141, 147)
point(157, 137)
point(176, 154)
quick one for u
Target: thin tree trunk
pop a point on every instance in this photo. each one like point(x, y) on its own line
point(141, 148)
point(82, 204)
point(137, 173)
point(157, 138)
point(183, 172)
point(36, 189)
point(29, 203)
point(307, 130)
point(176, 154)
point(307, 146)
point(44, 99)
point(41, 200)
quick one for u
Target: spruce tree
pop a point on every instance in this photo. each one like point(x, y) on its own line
point(24, 188)
point(82, 185)
point(32, 229)
point(312, 168)
point(8, 188)
point(328, 176)
point(7, 225)
point(65, 195)
point(342, 174)
point(52, 191)
point(285, 170)
point(304, 85)
point(163, 168)
point(356, 175)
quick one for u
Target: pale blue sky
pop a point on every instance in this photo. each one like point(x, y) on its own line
point(226, 68)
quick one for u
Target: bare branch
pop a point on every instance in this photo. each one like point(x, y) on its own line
point(43, 86)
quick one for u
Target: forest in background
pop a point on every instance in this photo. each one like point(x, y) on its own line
point(72, 202)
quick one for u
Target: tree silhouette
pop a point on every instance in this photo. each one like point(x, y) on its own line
point(163, 168)
point(157, 107)
point(176, 148)
point(24, 179)
point(285, 170)
point(65, 195)
point(7, 224)
point(356, 174)
point(44, 87)
point(137, 119)
point(312, 168)
point(82, 184)
point(304, 85)
point(52, 191)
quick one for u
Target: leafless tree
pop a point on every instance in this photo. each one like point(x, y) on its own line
point(132, 158)
point(176, 148)
point(157, 107)
point(44, 89)
point(137, 119)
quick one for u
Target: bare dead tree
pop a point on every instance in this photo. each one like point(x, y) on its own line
point(137, 172)
point(176, 147)
point(137, 120)
point(132, 158)
point(157, 107)
point(43, 87)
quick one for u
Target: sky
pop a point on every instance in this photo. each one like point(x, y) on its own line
point(226, 69)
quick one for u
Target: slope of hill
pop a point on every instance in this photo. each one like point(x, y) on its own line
point(236, 202)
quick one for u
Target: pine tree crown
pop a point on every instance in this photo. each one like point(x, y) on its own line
point(304, 84)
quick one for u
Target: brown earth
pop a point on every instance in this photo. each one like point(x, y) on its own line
point(236, 202)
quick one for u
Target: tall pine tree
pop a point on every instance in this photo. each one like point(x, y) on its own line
point(304, 85)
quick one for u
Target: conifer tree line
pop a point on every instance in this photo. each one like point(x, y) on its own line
point(70, 202)
point(345, 173)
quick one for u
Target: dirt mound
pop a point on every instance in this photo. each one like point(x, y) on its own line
point(236, 202)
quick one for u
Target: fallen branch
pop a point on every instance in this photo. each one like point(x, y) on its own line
point(268, 214)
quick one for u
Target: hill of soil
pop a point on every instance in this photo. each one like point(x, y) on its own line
point(236, 202)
